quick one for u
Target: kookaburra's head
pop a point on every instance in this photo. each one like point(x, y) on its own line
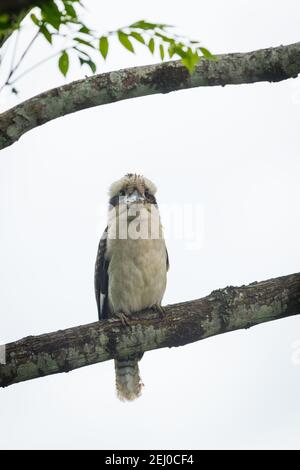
point(132, 189)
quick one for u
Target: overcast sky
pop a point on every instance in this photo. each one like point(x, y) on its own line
point(233, 152)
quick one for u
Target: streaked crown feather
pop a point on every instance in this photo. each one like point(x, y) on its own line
point(130, 182)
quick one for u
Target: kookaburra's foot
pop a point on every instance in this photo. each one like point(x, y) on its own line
point(123, 318)
point(159, 309)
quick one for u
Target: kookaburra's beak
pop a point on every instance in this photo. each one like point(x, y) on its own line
point(134, 197)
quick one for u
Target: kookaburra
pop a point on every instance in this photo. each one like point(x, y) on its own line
point(131, 265)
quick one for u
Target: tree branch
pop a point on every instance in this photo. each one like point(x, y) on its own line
point(223, 310)
point(273, 65)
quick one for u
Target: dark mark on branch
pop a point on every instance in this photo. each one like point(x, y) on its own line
point(167, 78)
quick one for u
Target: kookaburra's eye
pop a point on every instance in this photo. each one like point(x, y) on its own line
point(122, 192)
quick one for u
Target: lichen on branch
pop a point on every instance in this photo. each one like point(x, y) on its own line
point(222, 311)
point(272, 65)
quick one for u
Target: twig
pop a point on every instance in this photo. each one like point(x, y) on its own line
point(13, 69)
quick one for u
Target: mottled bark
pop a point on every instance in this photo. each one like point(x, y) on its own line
point(223, 310)
point(272, 65)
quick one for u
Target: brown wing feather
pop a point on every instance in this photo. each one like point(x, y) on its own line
point(168, 262)
point(101, 278)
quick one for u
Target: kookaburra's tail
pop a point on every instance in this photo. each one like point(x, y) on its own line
point(128, 380)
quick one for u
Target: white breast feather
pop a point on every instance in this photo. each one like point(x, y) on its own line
point(137, 273)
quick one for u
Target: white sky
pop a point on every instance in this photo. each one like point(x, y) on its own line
point(233, 151)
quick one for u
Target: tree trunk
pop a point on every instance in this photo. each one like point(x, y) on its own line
point(222, 311)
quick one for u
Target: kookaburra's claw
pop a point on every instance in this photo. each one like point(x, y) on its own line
point(159, 309)
point(123, 318)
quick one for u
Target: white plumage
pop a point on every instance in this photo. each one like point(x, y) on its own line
point(131, 265)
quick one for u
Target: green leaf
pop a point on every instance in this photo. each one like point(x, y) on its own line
point(142, 24)
point(84, 30)
point(151, 45)
point(190, 60)
point(177, 49)
point(51, 14)
point(35, 20)
point(125, 41)
point(85, 43)
point(4, 18)
point(171, 51)
point(90, 63)
point(138, 37)
point(81, 51)
point(161, 51)
point(92, 66)
point(206, 53)
point(46, 33)
point(70, 10)
point(5, 23)
point(103, 46)
point(4, 27)
point(63, 63)
point(165, 38)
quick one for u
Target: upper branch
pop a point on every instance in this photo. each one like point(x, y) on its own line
point(273, 65)
point(223, 310)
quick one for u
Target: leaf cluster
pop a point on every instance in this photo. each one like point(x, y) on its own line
point(55, 17)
